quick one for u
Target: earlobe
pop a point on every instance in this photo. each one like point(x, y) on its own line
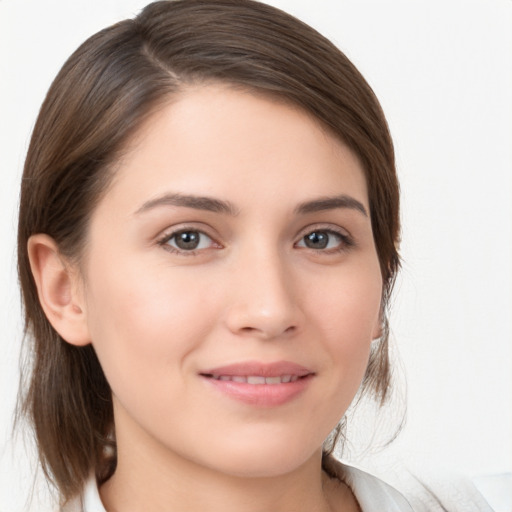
point(377, 333)
point(57, 288)
point(379, 327)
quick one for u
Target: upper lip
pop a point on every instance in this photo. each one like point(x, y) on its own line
point(255, 368)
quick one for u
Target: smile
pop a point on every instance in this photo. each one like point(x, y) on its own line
point(257, 379)
point(260, 384)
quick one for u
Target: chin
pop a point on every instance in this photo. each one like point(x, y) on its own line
point(264, 461)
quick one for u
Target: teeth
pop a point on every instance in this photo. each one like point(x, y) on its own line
point(257, 379)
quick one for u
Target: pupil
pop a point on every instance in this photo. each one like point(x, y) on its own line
point(187, 240)
point(317, 240)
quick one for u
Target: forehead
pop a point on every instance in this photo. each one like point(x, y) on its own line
point(218, 139)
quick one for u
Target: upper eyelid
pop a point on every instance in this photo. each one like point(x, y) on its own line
point(171, 231)
point(172, 234)
point(344, 238)
point(321, 226)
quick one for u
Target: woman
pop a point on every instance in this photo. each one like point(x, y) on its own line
point(208, 239)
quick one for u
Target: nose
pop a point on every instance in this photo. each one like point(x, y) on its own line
point(264, 303)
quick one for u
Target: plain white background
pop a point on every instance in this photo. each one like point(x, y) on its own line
point(443, 73)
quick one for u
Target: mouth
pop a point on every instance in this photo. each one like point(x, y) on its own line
point(257, 379)
point(260, 384)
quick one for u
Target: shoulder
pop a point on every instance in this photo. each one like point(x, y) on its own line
point(89, 501)
point(441, 491)
point(372, 493)
point(410, 493)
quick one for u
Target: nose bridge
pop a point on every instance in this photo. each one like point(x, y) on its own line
point(264, 303)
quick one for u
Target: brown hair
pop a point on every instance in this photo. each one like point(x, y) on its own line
point(101, 96)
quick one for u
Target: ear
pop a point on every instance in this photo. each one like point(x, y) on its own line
point(377, 333)
point(58, 288)
point(378, 329)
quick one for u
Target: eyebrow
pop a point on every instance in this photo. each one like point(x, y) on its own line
point(219, 206)
point(189, 201)
point(331, 203)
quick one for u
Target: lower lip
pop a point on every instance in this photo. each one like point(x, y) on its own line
point(263, 395)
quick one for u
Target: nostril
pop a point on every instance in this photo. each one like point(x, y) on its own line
point(268, 332)
point(263, 321)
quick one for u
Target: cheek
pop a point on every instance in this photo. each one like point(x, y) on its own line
point(142, 324)
point(348, 304)
point(347, 316)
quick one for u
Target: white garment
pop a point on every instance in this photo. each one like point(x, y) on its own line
point(373, 494)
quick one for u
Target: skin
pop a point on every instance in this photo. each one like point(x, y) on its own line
point(252, 291)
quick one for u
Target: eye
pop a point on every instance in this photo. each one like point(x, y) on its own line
point(324, 240)
point(187, 240)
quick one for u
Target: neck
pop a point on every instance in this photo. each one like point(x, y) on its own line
point(151, 477)
point(188, 487)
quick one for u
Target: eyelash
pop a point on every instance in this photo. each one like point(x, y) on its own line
point(345, 241)
point(164, 241)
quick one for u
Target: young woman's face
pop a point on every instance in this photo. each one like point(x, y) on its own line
point(231, 285)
